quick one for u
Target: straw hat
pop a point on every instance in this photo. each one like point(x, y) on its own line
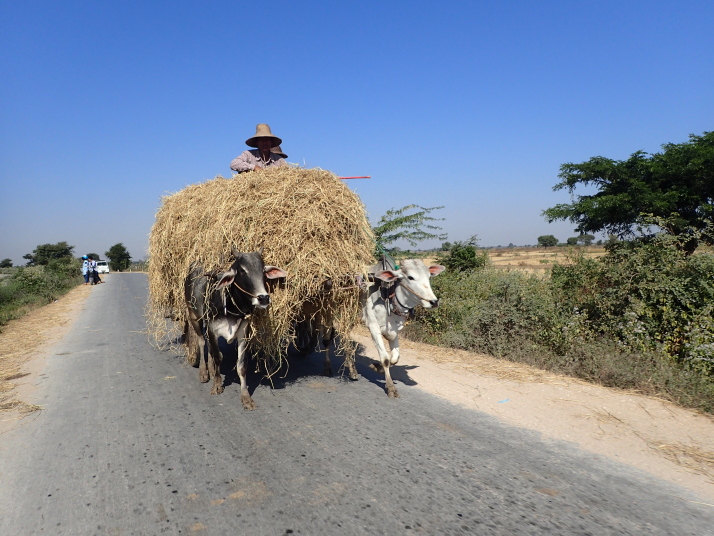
point(263, 131)
point(278, 151)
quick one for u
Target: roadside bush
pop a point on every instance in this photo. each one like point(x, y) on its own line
point(31, 281)
point(646, 295)
point(63, 269)
point(641, 318)
point(698, 347)
point(485, 310)
point(463, 257)
point(32, 287)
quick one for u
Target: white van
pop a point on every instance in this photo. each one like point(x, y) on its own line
point(102, 267)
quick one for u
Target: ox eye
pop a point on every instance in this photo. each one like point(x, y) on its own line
point(410, 278)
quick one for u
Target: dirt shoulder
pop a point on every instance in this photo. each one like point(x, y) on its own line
point(23, 352)
point(653, 435)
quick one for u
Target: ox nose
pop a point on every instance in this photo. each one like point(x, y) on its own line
point(263, 300)
point(434, 303)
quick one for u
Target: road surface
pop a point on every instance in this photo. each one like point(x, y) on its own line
point(130, 443)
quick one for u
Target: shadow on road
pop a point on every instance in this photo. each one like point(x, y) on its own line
point(297, 368)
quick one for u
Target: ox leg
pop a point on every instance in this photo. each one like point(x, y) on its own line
point(394, 347)
point(385, 360)
point(393, 358)
point(197, 345)
point(328, 334)
point(242, 368)
point(192, 334)
point(214, 361)
point(203, 375)
point(352, 369)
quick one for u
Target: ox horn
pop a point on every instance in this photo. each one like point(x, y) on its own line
point(260, 250)
point(235, 252)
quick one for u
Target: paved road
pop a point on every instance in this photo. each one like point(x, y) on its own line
point(130, 443)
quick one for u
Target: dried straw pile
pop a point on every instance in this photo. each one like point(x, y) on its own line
point(308, 222)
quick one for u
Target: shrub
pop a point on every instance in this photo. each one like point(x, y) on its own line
point(482, 310)
point(648, 295)
point(641, 318)
point(35, 286)
point(463, 257)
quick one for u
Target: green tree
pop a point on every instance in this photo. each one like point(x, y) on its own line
point(463, 256)
point(572, 241)
point(119, 258)
point(94, 256)
point(445, 246)
point(586, 239)
point(44, 253)
point(677, 184)
point(611, 240)
point(547, 241)
point(398, 224)
point(6, 263)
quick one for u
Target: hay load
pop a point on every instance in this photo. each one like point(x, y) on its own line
point(308, 222)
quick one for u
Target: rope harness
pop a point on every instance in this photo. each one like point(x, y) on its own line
point(224, 291)
point(389, 291)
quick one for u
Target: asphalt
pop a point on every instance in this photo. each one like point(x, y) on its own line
point(130, 443)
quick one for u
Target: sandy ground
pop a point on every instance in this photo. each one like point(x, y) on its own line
point(669, 442)
point(24, 344)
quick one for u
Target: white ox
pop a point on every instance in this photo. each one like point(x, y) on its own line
point(385, 309)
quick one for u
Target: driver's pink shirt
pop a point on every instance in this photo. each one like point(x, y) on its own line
point(251, 158)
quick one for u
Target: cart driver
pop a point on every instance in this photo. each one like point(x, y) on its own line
point(262, 156)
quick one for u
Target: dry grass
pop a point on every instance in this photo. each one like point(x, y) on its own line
point(309, 223)
point(537, 260)
point(530, 259)
point(691, 457)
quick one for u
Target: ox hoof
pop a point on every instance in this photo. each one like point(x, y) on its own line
point(377, 367)
point(327, 372)
point(247, 402)
point(217, 389)
point(203, 377)
point(392, 393)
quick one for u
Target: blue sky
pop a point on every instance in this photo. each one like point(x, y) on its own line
point(107, 106)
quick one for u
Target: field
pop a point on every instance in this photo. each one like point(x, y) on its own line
point(536, 260)
point(527, 259)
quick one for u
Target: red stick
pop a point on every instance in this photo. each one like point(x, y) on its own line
point(367, 177)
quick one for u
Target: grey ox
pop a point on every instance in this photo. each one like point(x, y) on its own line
point(219, 305)
point(385, 309)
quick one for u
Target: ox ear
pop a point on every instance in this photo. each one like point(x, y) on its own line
point(226, 279)
point(436, 269)
point(235, 252)
point(273, 272)
point(389, 275)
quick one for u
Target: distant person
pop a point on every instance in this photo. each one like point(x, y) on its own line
point(262, 156)
point(95, 273)
point(85, 269)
